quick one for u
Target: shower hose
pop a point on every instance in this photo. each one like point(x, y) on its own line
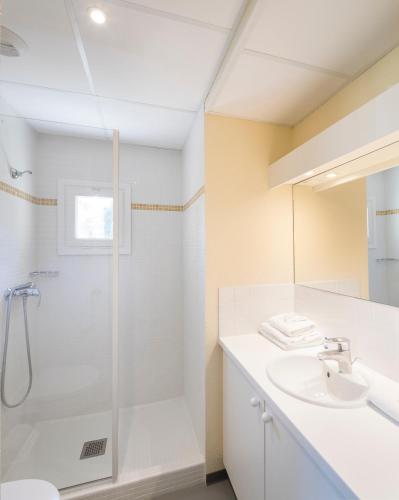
point(28, 353)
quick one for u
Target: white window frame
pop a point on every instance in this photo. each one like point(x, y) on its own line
point(67, 243)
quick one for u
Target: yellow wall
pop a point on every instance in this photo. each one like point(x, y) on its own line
point(330, 234)
point(248, 228)
point(372, 82)
point(248, 234)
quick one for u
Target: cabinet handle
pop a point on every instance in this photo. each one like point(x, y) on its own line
point(254, 402)
point(266, 417)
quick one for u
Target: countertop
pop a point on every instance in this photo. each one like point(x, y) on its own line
point(357, 447)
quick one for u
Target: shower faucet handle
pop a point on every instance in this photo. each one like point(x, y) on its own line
point(33, 292)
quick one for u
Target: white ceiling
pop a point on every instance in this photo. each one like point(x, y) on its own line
point(148, 69)
point(265, 89)
point(300, 52)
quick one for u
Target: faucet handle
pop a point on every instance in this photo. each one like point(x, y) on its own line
point(344, 344)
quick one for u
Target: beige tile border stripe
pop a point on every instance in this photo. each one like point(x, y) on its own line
point(51, 202)
point(393, 211)
point(193, 199)
point(170, 208)
point(6, 188)
point(157, 208)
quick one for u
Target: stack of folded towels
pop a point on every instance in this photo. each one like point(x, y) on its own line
point(291, 331)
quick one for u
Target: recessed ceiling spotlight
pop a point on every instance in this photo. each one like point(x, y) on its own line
point(331, 175)
point(97, 15)
point(309, 173)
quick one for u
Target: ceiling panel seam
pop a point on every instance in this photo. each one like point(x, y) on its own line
point(34, 121)
point(100, 96)
point(299, 64)
point(168, 15)
point(83, 56)
point(246, 20)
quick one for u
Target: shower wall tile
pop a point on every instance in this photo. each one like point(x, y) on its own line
point(153, 173)
point(194, 317)
point(194, 276)
point(151, 334)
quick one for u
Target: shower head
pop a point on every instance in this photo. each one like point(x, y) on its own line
point(11, 44)
point(16, 174)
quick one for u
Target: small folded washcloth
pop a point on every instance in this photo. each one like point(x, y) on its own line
point(386, 400)
point(305, 340)
point(292, 324)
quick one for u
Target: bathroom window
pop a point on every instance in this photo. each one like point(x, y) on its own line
point(93, 218)
point(85, 218)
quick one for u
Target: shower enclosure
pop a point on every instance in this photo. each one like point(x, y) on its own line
point(104, 378)
point(107, 407)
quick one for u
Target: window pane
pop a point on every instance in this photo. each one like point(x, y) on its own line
point(93, 218)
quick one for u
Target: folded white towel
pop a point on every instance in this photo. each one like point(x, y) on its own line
point(292, 324)
point(386, 400)
point(312, 337)
point(286, 347)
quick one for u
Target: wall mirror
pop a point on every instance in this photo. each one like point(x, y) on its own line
point(346, 228)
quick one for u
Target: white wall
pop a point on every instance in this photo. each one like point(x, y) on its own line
point(194, 276)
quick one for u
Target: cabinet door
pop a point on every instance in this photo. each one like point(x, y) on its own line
point(243, 434)
point(290, 472)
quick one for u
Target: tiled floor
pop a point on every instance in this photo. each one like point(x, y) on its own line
point(216, 491)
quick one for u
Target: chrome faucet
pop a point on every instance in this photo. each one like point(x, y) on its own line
point(342, 353)
point(25, 290)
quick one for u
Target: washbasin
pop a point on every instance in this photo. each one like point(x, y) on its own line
point(309, 379)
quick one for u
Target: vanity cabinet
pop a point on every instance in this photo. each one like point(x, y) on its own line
point(290, 474)
point(264, 461)
point(243, 434)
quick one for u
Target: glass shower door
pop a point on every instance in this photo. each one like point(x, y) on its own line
point(56, 231)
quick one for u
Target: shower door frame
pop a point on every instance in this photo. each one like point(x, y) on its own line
point(115, 305)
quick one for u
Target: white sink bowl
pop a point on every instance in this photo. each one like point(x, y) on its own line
point(318, 382)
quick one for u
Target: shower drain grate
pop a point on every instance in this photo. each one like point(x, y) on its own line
point(93, 448)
